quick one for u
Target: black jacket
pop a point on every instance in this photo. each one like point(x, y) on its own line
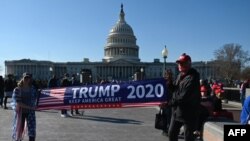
point(186, 96)
point(65, 83)
point(9, 85)
point(53, 83)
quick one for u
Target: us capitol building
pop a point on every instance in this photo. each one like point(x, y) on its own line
point(120, 62)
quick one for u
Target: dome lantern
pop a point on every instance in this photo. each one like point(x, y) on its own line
point(122, 14)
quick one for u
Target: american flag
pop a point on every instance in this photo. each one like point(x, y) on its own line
point(52, 99)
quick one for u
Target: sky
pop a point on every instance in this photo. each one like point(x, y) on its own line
point(70, 30)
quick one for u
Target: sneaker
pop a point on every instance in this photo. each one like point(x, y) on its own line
point(198, 136)
point(165, 133)
point(198, 139)
point(181, 135)
point(197, 132)
point(63, 115)
point(71, 114)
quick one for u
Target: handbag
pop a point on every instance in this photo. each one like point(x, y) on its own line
point(160, 120)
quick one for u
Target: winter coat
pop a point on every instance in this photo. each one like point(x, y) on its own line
point(186, 96)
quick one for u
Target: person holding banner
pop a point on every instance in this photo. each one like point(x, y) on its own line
point(74, 82)
point(65, 83)
point(185, 100)
point(24, 103)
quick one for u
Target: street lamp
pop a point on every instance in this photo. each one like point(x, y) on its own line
point(164, 55)
point(90, 79)
point(51, 71)
point(142, 73)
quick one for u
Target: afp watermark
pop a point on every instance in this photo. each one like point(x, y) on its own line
point(236, 132)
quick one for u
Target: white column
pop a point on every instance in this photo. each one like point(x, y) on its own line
point(116, 72)
point(122, 71)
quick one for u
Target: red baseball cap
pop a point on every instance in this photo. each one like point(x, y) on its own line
point(184, 58)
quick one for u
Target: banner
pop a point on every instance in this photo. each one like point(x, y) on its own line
point(126, 94)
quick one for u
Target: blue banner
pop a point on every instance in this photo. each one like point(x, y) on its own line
point(127, 94)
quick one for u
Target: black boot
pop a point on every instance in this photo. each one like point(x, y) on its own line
point(77, 112)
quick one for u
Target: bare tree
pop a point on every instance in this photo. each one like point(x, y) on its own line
point(245, 74)
point(230, 59)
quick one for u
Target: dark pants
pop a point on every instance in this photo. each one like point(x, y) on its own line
point(76, 111)
point(63, 112)
point(31, 138)
point(5, 101)
point(24, 117)
point(168, 112)
point(204, 114)
point(1, 100)
point(174, 130)
point(7, 94)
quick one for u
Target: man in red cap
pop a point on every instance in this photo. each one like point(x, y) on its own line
point(185, 100)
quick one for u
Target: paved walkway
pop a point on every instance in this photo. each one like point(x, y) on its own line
point(235, 108)
point(129, 124)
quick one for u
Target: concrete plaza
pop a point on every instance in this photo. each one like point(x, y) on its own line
point(128, 124)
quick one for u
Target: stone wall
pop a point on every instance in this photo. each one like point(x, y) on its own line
point(233, 94)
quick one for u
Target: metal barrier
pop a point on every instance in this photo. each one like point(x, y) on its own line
point(233, 94)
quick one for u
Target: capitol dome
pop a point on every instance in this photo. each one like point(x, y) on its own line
point(121, 42)
point(121, 28)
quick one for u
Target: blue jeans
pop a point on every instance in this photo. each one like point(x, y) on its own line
point(242, 98)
